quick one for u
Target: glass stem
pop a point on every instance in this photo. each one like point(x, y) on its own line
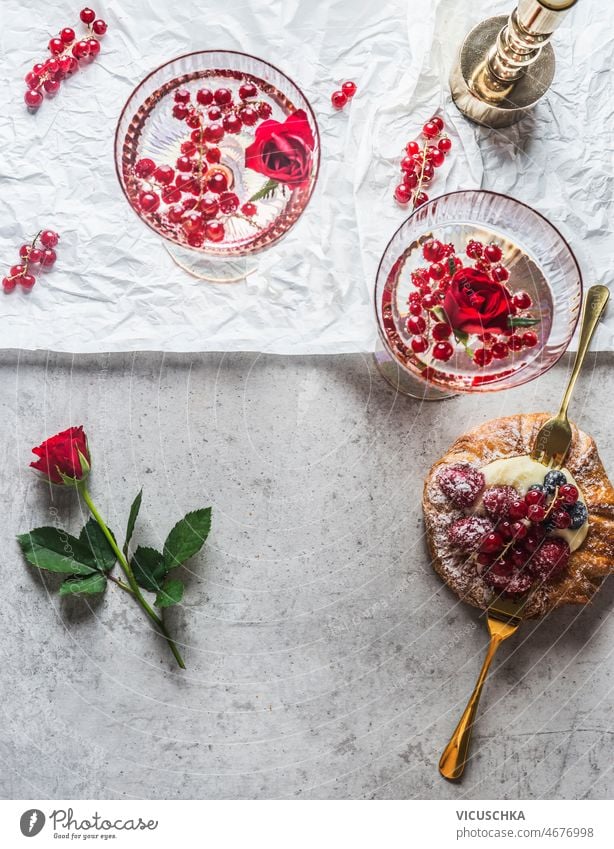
point(132, 586)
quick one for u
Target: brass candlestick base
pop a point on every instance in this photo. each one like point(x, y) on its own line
point(487, 100)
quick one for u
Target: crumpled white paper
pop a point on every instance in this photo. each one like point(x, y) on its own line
point(115, 288)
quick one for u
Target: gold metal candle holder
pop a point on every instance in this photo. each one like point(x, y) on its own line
point(506, 65)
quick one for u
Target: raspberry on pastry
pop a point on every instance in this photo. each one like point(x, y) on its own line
point(461, 482)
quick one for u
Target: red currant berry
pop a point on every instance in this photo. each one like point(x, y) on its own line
point(430, 130)
point(349, 89)
point(49, 238)
point(264, 110)
point(419, 344)
point(28, 280)
point(51, 86)
point(94, 46)
point(149, 201)
point(68, 65)
point(247, 90)
point(188, 148)
point(410, 179)
point(420, 199)
point(529, 339)
point(17, 270)
point(491, 543)
point(171, 194)
point(8, 285)
point(428, 172)
point(474, 249)
point(192, 222)
point(217, 182)
point(214, 114)
point(213, 155)
point(164, 174)
point(522, 300)
point(249, 209)
point(500, 273)
point(493, 253)
point(442, 351)
point(204, 96)
point(535, 496)
point(438, 122)
point(196, 239)
point(144, 168)
point(232, 123)
point(99, 27)
point(416, 325)
point(56, 46)
point(412, 148)
point(536, 513)
point(519, 530)
point(198, 136)
point(561, 519)
point(81, 50)
point(175, 213)
point(214, 231)
point(67, 35)
point(229, 203)
point(500, 350)
point(441, 331)
point(222, 96)
point(518, 509)
point(482, 357)
point(514, 342)
point(52, 65)
point(429, 300)
point(432, 250)
point(87, 15)
point(436, 157)
point(415, 308)
point(35, 255)
point(184, 163)
point(186, 183)
point(248, 115)
point(209, 205)
point(32, 80)
point(38, 69)
point(338, 99)
point(193, 120)
point(402, 194)
point(568, 493)
point(437, 270)
point(33, 98)
point(408, 164)
point(182, 95)
point(445, 144)
point(214, 133)
point(48, 257)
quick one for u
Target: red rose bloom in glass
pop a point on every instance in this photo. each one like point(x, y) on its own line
point(64, 458)
point(475, 304)
point(283, 151)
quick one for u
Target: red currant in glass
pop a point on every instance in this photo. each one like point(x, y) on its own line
point(183, 163)
point(49, 238)
point(217, 182)
point(420, 198)
point(416, 325)
point(338, 99)
point(28, 280)
point(415, 308)
point(474, 249)
point(175, 213)
point(192, 222)
point(493, 253)
point(349, 89)
point(229, 203)
point(419, 344)
point(232, 123)
point(429, 301)
point(8, 285)
point(149, 201)
point(51, 86)
point(164, 174)
point(482, 357)
point(87, 15)
point(500, 350)
point(33, 98)
point(432, 251)
point(170, 194)
point(56, 46)
point(193, 120)
point(514, 342)
point(214, 231)
point(188, 148)
point(204, 96)
point(438, 122)
point(264, 110)
point(522, 300)
point(248, 115)
point(249, 209)
point(500, 273)
point(412, 148)
point(442, 351)
point(441, 331)
point(99, 27)
point(214, 133)
point(430, 130)
point(182, 95)
point(196, 239)
point(402, 194)
point(94, 46)
point(247, 90)
point(209, 205)
point(222, 96)
point(529, 339)
point(180, 111)
point(445, 144)
point(144, 168)
point(48, 257)
point(214, 114)
point(437, 270)
point(213, 155)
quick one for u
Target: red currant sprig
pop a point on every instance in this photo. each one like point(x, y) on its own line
point(30, 255)
point(66, 54)
point(340, 98)
point(419, 163)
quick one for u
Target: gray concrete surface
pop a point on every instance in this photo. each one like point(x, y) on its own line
point(325, 660)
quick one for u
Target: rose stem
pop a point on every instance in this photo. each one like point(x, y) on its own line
point(133, 587)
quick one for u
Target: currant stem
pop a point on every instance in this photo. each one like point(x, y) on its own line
point(132, 585)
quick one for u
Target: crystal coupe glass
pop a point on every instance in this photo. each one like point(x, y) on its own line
point(540, 265)
point(218, 152)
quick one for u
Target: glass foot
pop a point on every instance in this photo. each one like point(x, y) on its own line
point(212, 270)
point(404, 382)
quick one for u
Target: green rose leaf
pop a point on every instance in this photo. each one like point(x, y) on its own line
point(521, 321)
point(171, 593)
point(187, 537)
point(134, 512)
point(56, 551)
point(149, 568)
point(86, 586)
point(93, 538)
point(269, 189)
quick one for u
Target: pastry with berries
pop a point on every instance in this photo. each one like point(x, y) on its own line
point(500, 523)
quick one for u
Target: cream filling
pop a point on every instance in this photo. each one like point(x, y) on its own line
point(521, 473)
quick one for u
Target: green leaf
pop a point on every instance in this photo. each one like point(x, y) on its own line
point(134, 512)
point(266, 191)
point(187, 537)
point(521, 321)
point(171, 593)
point(56, 551)
point(87, 586)
point(93, 538)
point(149, 568)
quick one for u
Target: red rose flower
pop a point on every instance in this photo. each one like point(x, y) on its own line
point(475, 304)
point(283, 151)
point(64, 458)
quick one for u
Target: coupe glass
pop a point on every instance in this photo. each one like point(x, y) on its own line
point(157, 127)
point(540, 263)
